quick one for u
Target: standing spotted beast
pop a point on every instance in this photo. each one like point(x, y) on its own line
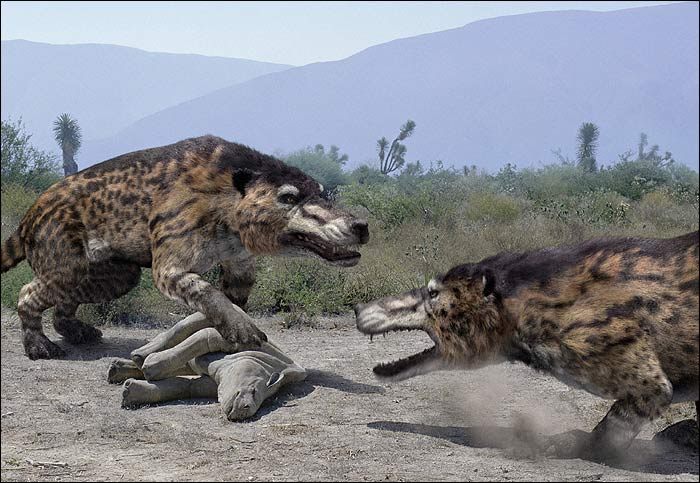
point(179, 209)
point(617, 317)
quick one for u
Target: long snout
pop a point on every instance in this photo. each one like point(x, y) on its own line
point(404, 312)
point(347, 230)
point(369, 316)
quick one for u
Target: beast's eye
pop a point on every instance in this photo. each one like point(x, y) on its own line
point(288, 199)
point(433, 294)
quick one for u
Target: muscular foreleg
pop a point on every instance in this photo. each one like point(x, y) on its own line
point(229, 319)
point(73, 330)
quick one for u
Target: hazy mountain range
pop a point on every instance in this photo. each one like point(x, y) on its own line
point(106, 87)
point(509, 89)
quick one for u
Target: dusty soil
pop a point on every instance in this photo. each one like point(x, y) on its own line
point(61, 420)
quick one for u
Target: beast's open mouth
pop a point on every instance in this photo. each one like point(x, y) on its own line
point(406, 367)
point(332, 253)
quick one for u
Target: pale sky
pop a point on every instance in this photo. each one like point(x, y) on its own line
point(294, 33)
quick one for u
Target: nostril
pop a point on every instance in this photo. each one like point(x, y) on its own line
point(361, 230)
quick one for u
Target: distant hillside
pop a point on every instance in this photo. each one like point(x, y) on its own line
point(509, 89)
point(106, 87)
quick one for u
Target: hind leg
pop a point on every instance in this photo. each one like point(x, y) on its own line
point(105, 281)
point(34, 298)
point(73, 330)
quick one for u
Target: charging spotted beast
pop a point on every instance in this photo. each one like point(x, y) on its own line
point(617, 317)
point(179, 209)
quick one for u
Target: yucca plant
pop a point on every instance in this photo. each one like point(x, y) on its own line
point(394, 158)
point(67, 134)
point(587, 144)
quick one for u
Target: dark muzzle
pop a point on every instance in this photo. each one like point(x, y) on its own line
point(360, 230)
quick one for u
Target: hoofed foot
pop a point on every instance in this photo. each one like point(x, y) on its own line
point(76, 332)
point(683, 433)
point(132, 393)
point(122, 369)
point(38, 346)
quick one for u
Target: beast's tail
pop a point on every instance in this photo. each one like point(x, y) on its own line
point(12, 252)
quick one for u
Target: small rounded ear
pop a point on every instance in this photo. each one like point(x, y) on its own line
point(241, 178)
point(488, 280)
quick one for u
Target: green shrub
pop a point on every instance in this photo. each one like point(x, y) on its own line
point(23, 164)
point(367, 175)
point(382, 201)
point(661, 210)
point(15, 200)
point(302, 286)
point(391, 206)
point(555, 182)
point(492, 207)
point(633, 179)
point(322, 166)
point(594, 207)
point(12, 283)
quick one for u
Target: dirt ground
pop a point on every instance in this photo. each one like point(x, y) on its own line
point(61, 420)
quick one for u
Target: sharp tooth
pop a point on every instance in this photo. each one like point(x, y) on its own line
point(384, 335)
point(370, 337)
